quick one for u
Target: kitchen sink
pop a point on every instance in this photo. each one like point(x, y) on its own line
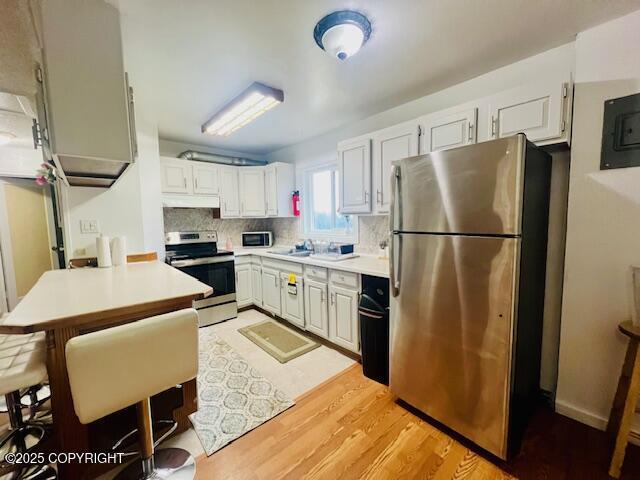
point(291, 252)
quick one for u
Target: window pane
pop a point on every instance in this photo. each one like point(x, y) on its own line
point(341, 221)
point(321, 185)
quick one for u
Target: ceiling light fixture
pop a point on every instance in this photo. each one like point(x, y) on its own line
point(246, 107)
point(341, 34)
point(6, 137)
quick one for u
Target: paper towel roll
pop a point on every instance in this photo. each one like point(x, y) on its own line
point(119, 251)
point(103, 252)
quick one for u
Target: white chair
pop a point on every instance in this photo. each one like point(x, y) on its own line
point(22, 365)
point(121, 366)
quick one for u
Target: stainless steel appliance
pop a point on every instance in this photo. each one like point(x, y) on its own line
point(257, 239)
point(467, 260)
point(197, 254)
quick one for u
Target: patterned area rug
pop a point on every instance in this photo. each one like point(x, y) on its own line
point(233, 397)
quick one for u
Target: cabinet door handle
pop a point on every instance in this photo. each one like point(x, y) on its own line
point(184, 182)
point(494, 126)
point(131, 110)
point(366, 197)
point(378, 196)
point(470, 132)
point(196, 182)
point(332, 298)
point(321, 296)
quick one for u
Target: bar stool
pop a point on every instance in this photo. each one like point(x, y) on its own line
point(626, 399)
point(117, 367)
point(22, 364)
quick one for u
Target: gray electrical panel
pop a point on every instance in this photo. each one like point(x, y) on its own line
point(621, 133)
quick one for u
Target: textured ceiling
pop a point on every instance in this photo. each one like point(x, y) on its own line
point(19, 48)
point(187, 59)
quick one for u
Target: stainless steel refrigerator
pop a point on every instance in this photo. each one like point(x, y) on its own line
point(468, 255)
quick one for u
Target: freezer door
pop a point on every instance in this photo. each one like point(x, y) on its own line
point(451, 331)
point(475, 189)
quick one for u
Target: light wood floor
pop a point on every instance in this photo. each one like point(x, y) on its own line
point(349, 427)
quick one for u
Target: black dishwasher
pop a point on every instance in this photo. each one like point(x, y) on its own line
point(374, 328)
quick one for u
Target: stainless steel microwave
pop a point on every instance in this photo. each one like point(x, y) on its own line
point(257, 239)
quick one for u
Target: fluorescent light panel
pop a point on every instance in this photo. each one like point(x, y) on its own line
point(246, 107)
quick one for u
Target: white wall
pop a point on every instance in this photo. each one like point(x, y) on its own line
point(19, 161)
point(150, 189)
point(170, 148)
point(603, 228)
point(132, 207)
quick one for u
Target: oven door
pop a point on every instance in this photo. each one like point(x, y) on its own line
point(217, 272)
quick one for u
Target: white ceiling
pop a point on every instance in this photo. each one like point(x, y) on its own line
point(187, 59)
point(16, 118)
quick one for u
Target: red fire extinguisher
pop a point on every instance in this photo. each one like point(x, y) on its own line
point(295, 202)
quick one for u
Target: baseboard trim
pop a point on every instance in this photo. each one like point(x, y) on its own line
point(591, 419)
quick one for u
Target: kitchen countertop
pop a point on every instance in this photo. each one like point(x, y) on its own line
point(363, 264)
point(72, 296)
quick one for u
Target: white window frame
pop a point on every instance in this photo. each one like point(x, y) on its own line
point(306, 225)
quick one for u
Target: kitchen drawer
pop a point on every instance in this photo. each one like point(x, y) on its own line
point(244, 259)
point(289, 267)
point(319, 273)
point(347, 279)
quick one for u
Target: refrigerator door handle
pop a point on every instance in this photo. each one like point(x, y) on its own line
point(395, 191)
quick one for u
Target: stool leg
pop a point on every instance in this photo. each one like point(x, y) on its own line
point(625, 400)
point(15, 410)
point(165, 463)
point(145, 434)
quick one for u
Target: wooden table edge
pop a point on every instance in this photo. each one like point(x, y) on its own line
point(89, 319)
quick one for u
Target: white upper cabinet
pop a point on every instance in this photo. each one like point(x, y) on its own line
point(395, 143)
point(205, 178)
point(537, 110)
point(252, 198)
point(89, 125)
point(271, 190)
point(229, 192)
point(354, 162)
point(238, 191)
point(444, 130)
point(175, 176)
point(279, 180)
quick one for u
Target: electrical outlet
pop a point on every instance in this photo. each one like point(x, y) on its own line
point(89, 226)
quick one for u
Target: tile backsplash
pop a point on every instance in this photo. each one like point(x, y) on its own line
point(372, 229)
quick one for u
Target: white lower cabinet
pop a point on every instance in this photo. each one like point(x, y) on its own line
point(271, 299)
point(256, 284)
point(316, 307)
point(292, 300)
point(229, 192)
point(343, 318)
point(322, 301)
point(243, 285)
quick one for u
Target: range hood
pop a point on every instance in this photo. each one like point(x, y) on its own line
point(90, 172)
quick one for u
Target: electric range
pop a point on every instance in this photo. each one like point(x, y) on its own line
point(197, 254)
